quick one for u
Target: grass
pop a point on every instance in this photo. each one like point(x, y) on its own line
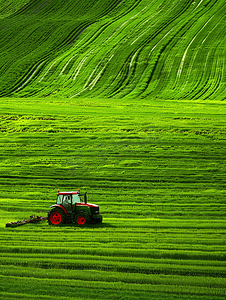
point(156, 170)
point(124, 100)
point(134, 49)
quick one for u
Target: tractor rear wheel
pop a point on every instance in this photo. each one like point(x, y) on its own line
point(82, 219)
point(56, 216)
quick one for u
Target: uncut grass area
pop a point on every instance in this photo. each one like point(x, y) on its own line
point(157, 171)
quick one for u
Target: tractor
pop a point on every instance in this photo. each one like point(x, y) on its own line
point(70, 209)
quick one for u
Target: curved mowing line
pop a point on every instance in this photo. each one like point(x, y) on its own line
point(201, 79)
point(153, 46)
point(95, 80)
point(161, 40)
point(131, 62)
point(185, 53)
point(205, 64)
point(29, 78)
point(91, 75)
point(77, 70)
point(49, 69)
point(145, 79)
point(198, 5)
point(93, 83)
point(65, 66)
point(212, 82)
point(140, 36)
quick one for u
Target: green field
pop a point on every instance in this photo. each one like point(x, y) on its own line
point(122, 49)
point(156, 169)
point(124, 100)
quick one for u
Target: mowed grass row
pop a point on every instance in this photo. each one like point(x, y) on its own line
point(43, 25)
point(79, 289)
point(8, 7)
point(155, 169)
point(154, 161)
point(159, 236)
point(143, 256)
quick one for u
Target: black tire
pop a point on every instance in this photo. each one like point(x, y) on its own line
point(56, 217)
point(82, 219)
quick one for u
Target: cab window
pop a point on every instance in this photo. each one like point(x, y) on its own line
point(67, 199)
point(59, 199)
point(75, 198)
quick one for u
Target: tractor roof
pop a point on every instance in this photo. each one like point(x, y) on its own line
point(67, 193)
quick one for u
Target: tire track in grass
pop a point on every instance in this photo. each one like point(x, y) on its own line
point(95, 80)
point(157, 55)
point(211, 83)
point(186, 50)
point(103, 289)
point(204, 77)
point(180, 69)
point(55, 62)
point(109, 38)
point(49, 68)
point(221, 88)
point(161, 83)
point(112, 276)
point(215, 77)
point(146, 79)
point(131, 70)
point(65, 66)
point(68, 62)
point(49, 9)
point(155, 59)
point(134, 61)
point(111, 264)
point(80, 65)
point(128, 64)
point(91, 85)
point(77, 70)
point(30, 77)
point(198, 5)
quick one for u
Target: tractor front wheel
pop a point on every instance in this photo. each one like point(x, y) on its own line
point(56, 217)
point(82, 219)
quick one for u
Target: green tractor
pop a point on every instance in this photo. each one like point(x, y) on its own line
point(70, 209)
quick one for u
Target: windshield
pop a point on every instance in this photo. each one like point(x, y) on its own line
point(59, 199)
point(66, 199)
point(76, 198)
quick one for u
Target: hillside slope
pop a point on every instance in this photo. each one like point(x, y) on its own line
point(96, 48)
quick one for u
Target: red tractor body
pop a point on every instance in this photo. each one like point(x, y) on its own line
point(70, 209)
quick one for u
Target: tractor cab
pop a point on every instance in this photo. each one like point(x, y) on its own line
point(69, 208)
point(68, 200)
point(68, 197)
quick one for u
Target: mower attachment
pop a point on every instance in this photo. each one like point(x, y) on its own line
point(33, 219)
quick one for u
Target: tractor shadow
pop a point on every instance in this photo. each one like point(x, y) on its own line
point(93, 226)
